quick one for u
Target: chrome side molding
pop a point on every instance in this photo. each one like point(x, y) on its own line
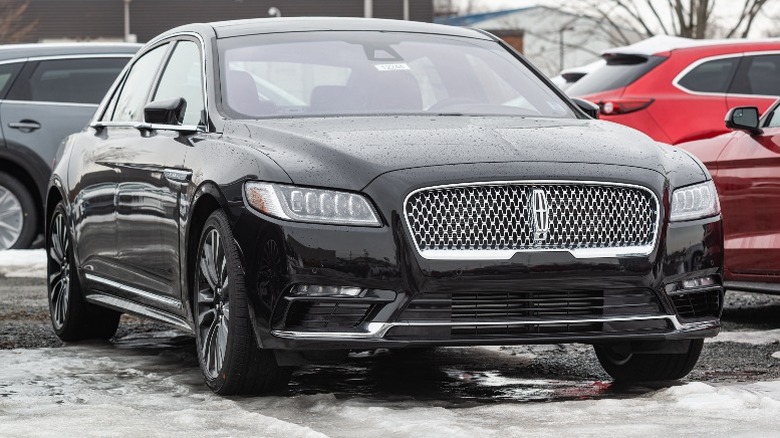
point(168, 302)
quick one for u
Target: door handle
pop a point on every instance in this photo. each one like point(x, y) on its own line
point(25, 125)
point(177, 175)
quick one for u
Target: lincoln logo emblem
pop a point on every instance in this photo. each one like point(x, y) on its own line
point(540, 210)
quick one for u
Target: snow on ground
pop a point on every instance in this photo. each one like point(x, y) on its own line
point(107, 390)
point(761, 337)
point(101, 390)
point(23, 263)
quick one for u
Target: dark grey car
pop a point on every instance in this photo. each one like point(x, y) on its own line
point(47, 91)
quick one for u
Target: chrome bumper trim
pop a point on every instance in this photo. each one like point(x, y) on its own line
point(378, 330)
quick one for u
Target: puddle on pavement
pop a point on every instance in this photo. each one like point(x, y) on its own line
point(447, 377)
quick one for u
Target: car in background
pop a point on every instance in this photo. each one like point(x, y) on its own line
point(47, 92)
point(677, 89)
point(569, 76)
point(745, 165)
point(291, 188)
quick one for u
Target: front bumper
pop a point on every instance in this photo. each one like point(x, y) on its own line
point(545, 297)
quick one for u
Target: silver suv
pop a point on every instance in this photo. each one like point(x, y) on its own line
point(47, 91)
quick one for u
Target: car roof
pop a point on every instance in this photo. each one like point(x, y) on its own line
point(21, 51)
point(664, 43)
point(234, 28)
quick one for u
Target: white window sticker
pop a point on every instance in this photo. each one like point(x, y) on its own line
point(391, 67)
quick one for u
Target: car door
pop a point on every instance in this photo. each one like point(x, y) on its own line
point(152, 179)
point(8, 73)
point(99, 167)
point(748, 180)
point(53, 98)
point(756, 82)
point(704, 84)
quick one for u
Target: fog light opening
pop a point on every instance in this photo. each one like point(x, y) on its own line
point(688, 285)
point(309, 290)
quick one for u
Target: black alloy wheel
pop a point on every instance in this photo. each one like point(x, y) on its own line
point(72, 318)
point(229, 357)
point(626, 367)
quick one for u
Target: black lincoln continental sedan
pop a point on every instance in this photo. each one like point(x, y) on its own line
point(287, 187)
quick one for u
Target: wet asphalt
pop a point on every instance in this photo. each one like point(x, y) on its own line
point(459, 376)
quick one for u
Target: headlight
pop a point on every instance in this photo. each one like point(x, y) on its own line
point(302, 204)
point(695, 202)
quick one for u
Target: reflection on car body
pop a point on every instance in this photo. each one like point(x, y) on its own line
point(745, 164)
point(409, 202)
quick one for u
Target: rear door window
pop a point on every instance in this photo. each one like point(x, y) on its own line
point(7, 74)
point(83, 80)
point(711, 76)
point(758, 75)
point(620, 71)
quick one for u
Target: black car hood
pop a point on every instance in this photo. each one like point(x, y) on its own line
point(349, 152)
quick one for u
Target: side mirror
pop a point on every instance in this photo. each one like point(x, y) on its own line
point(165, 112)
point(744, 118)
point(589, 108)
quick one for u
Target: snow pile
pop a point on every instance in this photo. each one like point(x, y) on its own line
point(764, 337)
point(100, 390)
point(23, 263)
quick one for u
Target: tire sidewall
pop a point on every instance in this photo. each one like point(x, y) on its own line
point(75, 305)
point(219, 221)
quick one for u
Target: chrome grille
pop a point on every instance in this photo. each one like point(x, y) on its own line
point(500, 217)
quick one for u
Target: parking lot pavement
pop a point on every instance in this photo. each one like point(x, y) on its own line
point(146, 381)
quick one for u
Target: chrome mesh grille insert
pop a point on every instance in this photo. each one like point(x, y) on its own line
point(503, 217)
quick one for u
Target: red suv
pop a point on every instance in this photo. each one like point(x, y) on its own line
point(745, 165)
point(677, 90)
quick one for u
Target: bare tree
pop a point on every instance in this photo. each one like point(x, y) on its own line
point(685, 18)
point(14, 28)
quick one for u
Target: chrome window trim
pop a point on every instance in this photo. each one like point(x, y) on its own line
point(580, 253)
point(47, 102)
point(96, 121)
point(693, 65)
point(64, 57)
point(170, 302)
point(378, 330)
point(148, 126)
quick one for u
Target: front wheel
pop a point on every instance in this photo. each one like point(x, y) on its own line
point(229, 357)
point(626, 367)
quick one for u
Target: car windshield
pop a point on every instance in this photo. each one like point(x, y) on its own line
point(349, 73)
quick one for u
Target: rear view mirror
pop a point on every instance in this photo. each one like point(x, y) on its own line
point(744, 118)
point(589, 108)
point(165, 112)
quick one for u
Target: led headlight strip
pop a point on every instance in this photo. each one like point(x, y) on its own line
point(695, 202)
point(303, 204)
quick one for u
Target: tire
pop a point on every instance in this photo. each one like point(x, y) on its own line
point(229, 357)
point(18, 215)
point(648, 367)
point(72, 318)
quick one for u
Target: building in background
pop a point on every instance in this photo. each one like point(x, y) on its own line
point(550, 38)
point(104, 20)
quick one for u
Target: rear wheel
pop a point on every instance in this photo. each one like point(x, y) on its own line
point(229, 357)
point(647, 367)
point(18, 215)
point(72, 317)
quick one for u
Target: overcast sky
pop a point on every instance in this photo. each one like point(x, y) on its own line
point(726, 10)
